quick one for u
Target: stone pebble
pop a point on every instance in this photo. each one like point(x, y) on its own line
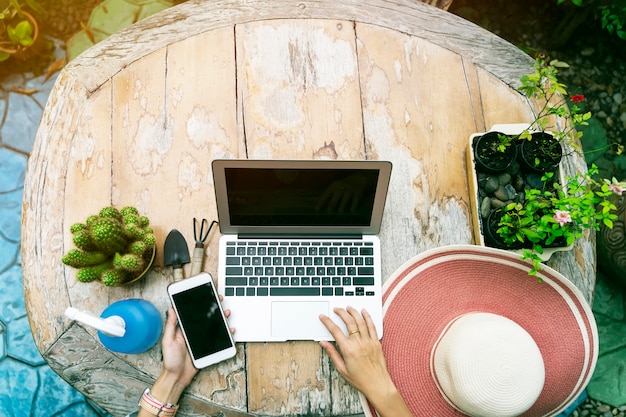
point(594, 408)
point(498, 190)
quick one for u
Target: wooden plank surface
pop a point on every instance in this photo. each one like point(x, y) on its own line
point(416, 125)
point(300, 89)
point(150, 108)
point(43, 229)
point(300, 99)
point(477, 45)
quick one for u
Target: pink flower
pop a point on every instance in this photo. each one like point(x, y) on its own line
point(562, 217)
point(617, 188)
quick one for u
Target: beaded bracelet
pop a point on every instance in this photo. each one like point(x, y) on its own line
point(154, 406)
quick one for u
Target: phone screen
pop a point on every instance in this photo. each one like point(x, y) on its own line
point(200, 316)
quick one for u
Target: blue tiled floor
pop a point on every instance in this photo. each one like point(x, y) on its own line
point(28, 387)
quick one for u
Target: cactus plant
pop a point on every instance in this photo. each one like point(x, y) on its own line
point(113, 247)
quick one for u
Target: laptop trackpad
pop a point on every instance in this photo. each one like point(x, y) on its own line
point(299, 320)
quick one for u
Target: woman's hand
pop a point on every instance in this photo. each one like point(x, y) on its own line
point(361, 362)
point(178, 370)
point(176, 359)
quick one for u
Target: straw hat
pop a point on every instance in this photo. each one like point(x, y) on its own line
point(468, 332)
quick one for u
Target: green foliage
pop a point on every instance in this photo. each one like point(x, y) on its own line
point(108, 235)
point(93, 273)
point(544, 86)
point(17, 30)
point(612, 14)
point(557, 212)
point(22, 34)
point(613, 18)
point(560, 213)
point(112, 246)
point(130, 262)
point(77, 258)
point(114, 277)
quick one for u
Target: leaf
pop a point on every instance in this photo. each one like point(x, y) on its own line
point(23, 34)
point(26, 92)
point(559, 64)
point(88, 32)
point(24, 31)
point(54, 67)
point(608, 223)
point(36, 7)
point(530, 234)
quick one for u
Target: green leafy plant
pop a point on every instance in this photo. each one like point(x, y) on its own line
point(612, 14)
point(544, 86)
point(18, 28)
point(558, 108)
point(559, 213)
point(113, 247)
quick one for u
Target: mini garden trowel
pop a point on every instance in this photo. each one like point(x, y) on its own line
point(176, 253)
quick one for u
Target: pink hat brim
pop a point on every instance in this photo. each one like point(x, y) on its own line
point(433, 288)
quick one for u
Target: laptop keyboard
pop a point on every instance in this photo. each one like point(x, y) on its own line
point(299, 268)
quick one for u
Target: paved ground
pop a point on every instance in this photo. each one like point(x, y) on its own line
point(28, 387)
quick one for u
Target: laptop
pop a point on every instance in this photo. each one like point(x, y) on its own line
point(299, 237)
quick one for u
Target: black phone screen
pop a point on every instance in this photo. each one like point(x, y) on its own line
point(201, 319)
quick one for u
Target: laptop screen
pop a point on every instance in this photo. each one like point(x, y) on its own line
point(300, 197)
point(277, 196)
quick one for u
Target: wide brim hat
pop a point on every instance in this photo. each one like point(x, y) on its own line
point(427, 295)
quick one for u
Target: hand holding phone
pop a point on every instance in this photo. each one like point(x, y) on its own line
point(202, 320)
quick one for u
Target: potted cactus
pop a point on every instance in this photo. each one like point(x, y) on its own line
point(115, 247)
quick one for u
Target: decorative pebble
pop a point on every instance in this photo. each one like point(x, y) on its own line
point(588, 51)
point(485, 207)
point(504, 178)
point(510, 191)
point(491, 184)
point(501, 193)
point(496, 204)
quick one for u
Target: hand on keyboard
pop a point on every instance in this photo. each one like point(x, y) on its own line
point(361, 361)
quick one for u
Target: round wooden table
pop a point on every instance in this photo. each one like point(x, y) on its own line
point(137, 120)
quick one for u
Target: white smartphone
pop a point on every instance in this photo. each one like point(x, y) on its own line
point(202, 320)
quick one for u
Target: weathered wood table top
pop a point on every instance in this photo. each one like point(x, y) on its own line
point(137, 120)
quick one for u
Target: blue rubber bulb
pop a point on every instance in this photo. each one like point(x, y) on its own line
point(142, 322)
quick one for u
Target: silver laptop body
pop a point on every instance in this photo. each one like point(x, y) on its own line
point(298, 239)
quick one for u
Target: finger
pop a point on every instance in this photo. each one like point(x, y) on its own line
point(347, 318)
point(170, 325)
point(227, 313)
point(361, 326)
point(371, 327)
point(334, 330)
